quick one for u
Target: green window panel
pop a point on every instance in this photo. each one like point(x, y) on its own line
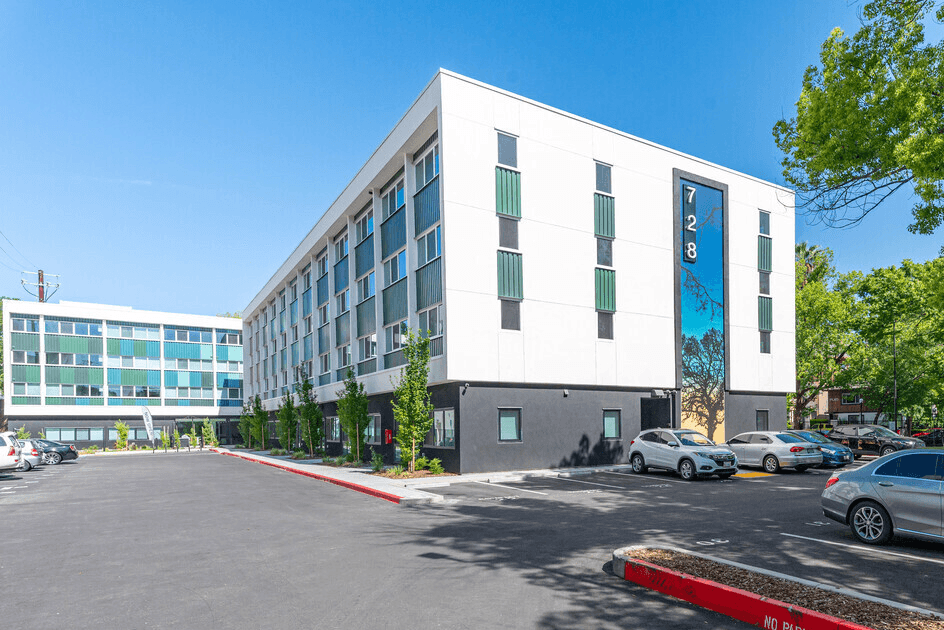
point(507, 192)
point(429, 285)
point(605, 281)
point(74, 375)
point(604, 216)
point(56, 401)
point(206, 379)
point(366, 317)
point(764, 253)
point(395, 302)
point(140, 348)
point(24, 341)
point(426, 206)
point(510, 283)
point(364, 256)
point(765, 313)
point(114, 347)
point(129, 377)
point(26, 400)
point(392, 233)
point(26, 373)
point(71, 344)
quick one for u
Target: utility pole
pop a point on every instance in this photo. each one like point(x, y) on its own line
point(41, 286)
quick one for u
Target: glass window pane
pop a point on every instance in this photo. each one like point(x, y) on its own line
point(605, 252)
point(603, 178)
point(508, 428)
point(52, 434)
point(765, 223)
point(611, 424)
point(507, 150)
point(67, 435)
point(96, 434)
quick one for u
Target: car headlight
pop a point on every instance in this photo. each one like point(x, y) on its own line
point(702, 454)
point(900, 442)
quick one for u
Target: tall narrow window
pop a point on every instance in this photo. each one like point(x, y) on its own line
point(604, 180)
point(507, 150)
point(509, 425)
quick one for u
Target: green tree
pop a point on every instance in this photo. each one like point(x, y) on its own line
point(352, 412)
point(2, 298)
point(122, 429)
point(870, 120)
point(287, 416)
point(412, 409)
point(260, 422)
point(245, 425)
point(22, 433)
point(311, 418)
point(209, 433)
point(176, 437)
point(193, 434)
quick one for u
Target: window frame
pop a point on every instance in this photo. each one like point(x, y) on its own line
point(518, 429)
point(619, 424)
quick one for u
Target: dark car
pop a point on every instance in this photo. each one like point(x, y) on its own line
point(55, 452)
point(935, 437)
point(834, 454)
point(872, 439)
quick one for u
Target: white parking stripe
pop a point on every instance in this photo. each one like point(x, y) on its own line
point(868, 549)
point(592, 483)
point(642, 478)
point(498, 485)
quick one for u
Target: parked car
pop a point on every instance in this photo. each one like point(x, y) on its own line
point(687, 452)
point(834, 453)
point(899, 493)
point(9, 453)
point(31, 455)
point(775, 450)
point(872, 439)
point(55, 452)
point(934, 437)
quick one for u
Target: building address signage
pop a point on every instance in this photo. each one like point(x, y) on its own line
point(689, 223)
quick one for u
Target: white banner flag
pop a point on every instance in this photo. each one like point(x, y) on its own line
point(148, 423)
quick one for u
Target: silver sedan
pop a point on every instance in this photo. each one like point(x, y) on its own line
point(900, 493)
point(775, 450)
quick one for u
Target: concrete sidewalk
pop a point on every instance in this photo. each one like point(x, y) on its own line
point(400, 491)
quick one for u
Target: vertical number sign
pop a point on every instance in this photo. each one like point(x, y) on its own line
point(689, 245)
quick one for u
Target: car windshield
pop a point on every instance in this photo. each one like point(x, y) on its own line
point(816, 438)
point(693, 438)
point(789, 439)
point(885, 432)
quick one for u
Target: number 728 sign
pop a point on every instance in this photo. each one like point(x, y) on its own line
point(689, 221)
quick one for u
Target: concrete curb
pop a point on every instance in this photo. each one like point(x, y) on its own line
point(733, 602)
point(391, 496)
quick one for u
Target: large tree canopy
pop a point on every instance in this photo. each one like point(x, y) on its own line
point(871, 120)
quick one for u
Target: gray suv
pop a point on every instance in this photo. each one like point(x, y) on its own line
point(687, 452)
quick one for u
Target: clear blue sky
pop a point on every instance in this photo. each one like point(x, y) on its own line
point(170, 155)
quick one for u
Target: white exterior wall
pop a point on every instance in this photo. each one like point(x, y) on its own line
point(558, 338)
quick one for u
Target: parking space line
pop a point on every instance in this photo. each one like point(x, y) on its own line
point(592, 483)
point(498, 485)
point(641, 478)
point(869, 549)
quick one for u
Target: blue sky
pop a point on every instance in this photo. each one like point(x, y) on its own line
point(170, 155)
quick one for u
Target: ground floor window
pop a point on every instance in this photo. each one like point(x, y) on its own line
point(443, 433)
point(509, 425)
point(372, 434)
point(333, 430)
point(612, 427)
point(763, 421)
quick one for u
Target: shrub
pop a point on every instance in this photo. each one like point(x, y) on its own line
point(377, 462)
point(351, 457)
point(299, 455)
point(398, 470)
point(421, 463)
point(238, 446)
point(122, 442)
point(22, 433)
point(90, 450)
point(435, 466)
point(277, 452)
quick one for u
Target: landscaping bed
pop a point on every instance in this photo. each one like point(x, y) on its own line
point(863, 612)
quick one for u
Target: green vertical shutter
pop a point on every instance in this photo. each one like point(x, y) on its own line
point(764, 253)
point(765, 313)
point(605, 282)
point(24, 341)
point(510, 282)
point(507, 192)
point(604, 216)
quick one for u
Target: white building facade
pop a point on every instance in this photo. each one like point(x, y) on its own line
point(578, 284)
point(72, 369)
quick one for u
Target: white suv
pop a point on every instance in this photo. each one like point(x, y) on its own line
point(687, 452)
point(9, 452)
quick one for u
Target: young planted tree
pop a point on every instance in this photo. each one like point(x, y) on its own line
point(310, 417)
point(209, 433)
point(193, 434)
point(177, 437)
point(122, 442)
point(245, 425)
point(260, 422)
point(412, 409)
point(288, 422)
point(352, 412)
point(22, 433)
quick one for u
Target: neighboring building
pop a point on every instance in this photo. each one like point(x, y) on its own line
point(847, 406)
point(578, 284)
point(71, 370)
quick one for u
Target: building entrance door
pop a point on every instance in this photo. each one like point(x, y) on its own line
point(655, 413)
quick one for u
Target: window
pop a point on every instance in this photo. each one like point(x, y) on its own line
point(372, 433)
point(427, 168)
point(510, 315)
point(344, 356)
point(765, 342)
point(364, 226)
point(428, 247)
point(340, 247)
point(509, 425)
point(604, 252)
point(604, 183)
point(395, 268)
point(393, 200)
point(324, 362)
point(333, 429)
point(507, 150)
point(764, 282)
point(851, 399)
point(343, 302)
point(443, 432)
point(322, 266)
point(367, 347)
point(612, 427)
point(604, 325)
point(366, 287)
point(507, 233)
point(323, 314)
point(395, 336)
point(431, 320)
point(762, 420)
point(765, 222)
point(913, 466)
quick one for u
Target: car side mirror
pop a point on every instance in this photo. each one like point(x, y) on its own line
point(675, 444)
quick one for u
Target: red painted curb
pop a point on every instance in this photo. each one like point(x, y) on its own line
point(386, 496)
point(733, 602)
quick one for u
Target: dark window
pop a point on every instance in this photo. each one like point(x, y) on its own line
point(740, 439)
point(789, 439)
point(652, 436)
point(604, 178)
point(507, 233)
point(913, 466)
point(765, 342)
point(604, 252)
point(509, 425)
point(604, 325)
point(611, 424)
point(507, 150)
point(765, 223)
point(758, 438)
point(763, 422)
point(765, 282)
point(510, 315)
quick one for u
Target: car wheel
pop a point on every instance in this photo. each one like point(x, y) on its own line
point(802, 468)
point(771, 464)
point(887, 450)
point(54, 458)
point(870, 523)
point(639, 464)
point(687, 469)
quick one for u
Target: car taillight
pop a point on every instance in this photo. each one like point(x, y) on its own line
point(797, 449)
point(832, 480)
point(72, 447)
point(34, 453)
point(631, 442)
point(12, 452)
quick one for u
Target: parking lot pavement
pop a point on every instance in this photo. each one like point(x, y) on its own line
point(22, 483)
point(769, 521)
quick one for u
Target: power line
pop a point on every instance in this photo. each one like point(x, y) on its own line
point(8, 266)
point(30, 263)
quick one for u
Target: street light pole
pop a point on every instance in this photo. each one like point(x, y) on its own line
point(895, 370)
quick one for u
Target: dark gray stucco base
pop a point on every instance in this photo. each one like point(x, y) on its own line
point(740, 411)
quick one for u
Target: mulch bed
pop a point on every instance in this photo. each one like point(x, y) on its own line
point(866, 613)
point(419, 474)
